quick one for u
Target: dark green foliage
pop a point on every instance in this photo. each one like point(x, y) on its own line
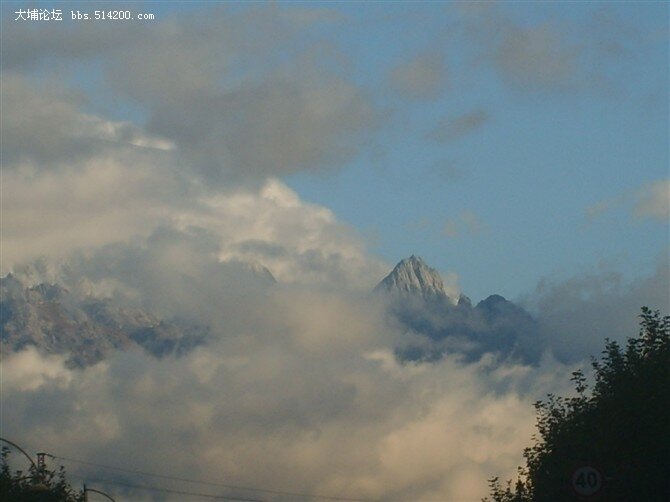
point(622, 428)
point(520, 493)
point(47, 486)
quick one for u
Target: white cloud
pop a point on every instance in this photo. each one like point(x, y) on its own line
point(297, 388)
point(552, 53)
point(537, 56)
point(132, 184)
point(577, 315)
point(231, 91)
point(466, 223)
point(421, 77)
point(298, 242)
point(43, 126)
point(296, 407)
point(654, 201)
point(77, 181)
point(595, 211)
point(452, 128)
point(111, 198)
point(29, 370)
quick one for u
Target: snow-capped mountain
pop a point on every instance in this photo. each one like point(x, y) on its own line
point(418, 301)
point(413, 276)
point(55, 320)
point(88, 328)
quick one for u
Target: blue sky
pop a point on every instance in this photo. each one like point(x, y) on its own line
point(545, 153)
point(517, 147)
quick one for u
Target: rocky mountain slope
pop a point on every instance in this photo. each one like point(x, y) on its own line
point(413, 277)
point(55, 320)
point(418, 301)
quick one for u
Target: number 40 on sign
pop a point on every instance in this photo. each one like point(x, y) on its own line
point(586, 481)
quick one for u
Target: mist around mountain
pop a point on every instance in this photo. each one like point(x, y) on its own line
point(289, 379)
point(61, 320)
point(88, 308)
point(449, 324)
point(57, 321)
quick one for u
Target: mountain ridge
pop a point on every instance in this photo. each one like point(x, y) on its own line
point(418, 301)
point(413, 276)
point(57, 320)
point(52, 318)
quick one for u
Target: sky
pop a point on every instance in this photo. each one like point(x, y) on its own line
point(501, 142)
point(542, 115)
point(520, 148)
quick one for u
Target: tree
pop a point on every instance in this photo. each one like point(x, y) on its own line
point(622, 428)
point(45, 486)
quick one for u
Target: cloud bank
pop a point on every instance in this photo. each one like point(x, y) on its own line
point(306, 406)
point(298, 388)
point(576, 315)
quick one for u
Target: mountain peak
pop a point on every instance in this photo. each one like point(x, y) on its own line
point(412, 275)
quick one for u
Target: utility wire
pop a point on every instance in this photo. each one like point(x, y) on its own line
point(211, 483)
point(168, 490)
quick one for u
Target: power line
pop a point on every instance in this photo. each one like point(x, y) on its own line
point(211, 483)
point(168, 490)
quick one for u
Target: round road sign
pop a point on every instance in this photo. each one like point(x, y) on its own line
point(586, 481)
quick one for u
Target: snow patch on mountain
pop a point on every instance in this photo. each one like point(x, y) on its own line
point(413, 276)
